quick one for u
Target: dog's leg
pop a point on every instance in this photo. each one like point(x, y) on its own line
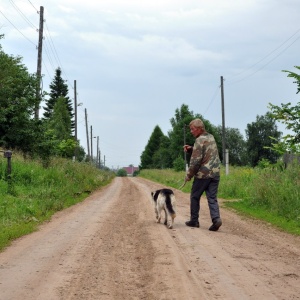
point(166, 216)
point(172, 217)
point(170, 223)
point(158, 214)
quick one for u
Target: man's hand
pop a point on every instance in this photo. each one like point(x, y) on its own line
point(187, 178)
point(187, 148)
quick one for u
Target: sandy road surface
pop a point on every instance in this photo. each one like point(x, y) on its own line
point(109, 247)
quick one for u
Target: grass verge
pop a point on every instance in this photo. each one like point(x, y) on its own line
point(34, 194)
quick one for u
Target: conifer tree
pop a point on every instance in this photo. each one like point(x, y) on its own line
point(58, 88)
point(147, 157)
point(60, 121)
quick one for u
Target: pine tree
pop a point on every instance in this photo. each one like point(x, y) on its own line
point(58, 88)
point(60, 122)
point(153, 145)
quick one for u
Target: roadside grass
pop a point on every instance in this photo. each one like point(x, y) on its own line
point(271, 194)
point(34, 194)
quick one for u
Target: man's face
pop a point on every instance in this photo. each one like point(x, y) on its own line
point(195, 131)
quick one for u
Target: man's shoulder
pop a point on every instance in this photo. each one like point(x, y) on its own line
point(205, 136)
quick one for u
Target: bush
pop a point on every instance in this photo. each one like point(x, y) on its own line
point(121, 173)
point(179, 164)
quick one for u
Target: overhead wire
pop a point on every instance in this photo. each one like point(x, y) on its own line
point(18, 30)
point(265, 57)
point(212, 99)
point(50, 50)
point(52, 46)
point(22, 15)
point(33, 6)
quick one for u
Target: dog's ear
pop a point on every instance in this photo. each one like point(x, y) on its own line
point(152, 194)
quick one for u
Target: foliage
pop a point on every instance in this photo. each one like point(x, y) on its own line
point(156, 139)
point(121, 173)
point(260, 136)
point(66, 148)
point(290, 116)
point(17, 103)
point(179, 164)
point(58, 89)
point(40, 192)
point(161, 158)
point(179, 134)
point(60, 121)
point(236, 145)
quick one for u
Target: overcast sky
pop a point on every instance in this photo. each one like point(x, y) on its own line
point(136, 62)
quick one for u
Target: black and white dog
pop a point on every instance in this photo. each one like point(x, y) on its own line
point(164, 199)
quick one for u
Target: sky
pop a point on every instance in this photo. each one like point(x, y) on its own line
point(136, 62)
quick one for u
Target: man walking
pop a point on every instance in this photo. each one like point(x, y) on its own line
point(205, 169)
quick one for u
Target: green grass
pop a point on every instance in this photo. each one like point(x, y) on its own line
point(271, 194)
point(34, 194)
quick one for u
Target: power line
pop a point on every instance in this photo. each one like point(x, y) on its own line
point(56, 54)
point(262, 67)
point(23, 16)
point(212, 100)
point(33, 6)
point(49, 57)
point(18, 29)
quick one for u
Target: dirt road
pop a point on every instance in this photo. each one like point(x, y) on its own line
point(110, 247)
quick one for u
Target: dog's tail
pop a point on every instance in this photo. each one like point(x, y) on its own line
point(169, 205)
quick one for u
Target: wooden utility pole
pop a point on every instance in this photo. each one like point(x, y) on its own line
point(223, 122)
point(87, 134)
point(75, 109)
point(99, 159)
point(75, 116)
point(92, 158)
point(97, 151)
point(39, 65)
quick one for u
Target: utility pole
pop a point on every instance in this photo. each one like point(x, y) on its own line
point(75, 115)
point(99, 159)
point(87, 133)
point(223, 122)
point(39, 64)
point(97, 150)
point(92, 144)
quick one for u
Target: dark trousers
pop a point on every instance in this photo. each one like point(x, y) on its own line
point(210, 187)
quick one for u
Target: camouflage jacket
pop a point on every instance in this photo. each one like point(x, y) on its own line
point(205, 161)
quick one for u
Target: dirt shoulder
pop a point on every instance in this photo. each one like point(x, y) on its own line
point(110, 247)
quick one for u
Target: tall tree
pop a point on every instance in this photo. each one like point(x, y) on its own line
point(17, 102)
point(260, 137)
point(60, 121)
point(153, 145)
point(58, 88)
point(161, 157)
point(236, 145)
